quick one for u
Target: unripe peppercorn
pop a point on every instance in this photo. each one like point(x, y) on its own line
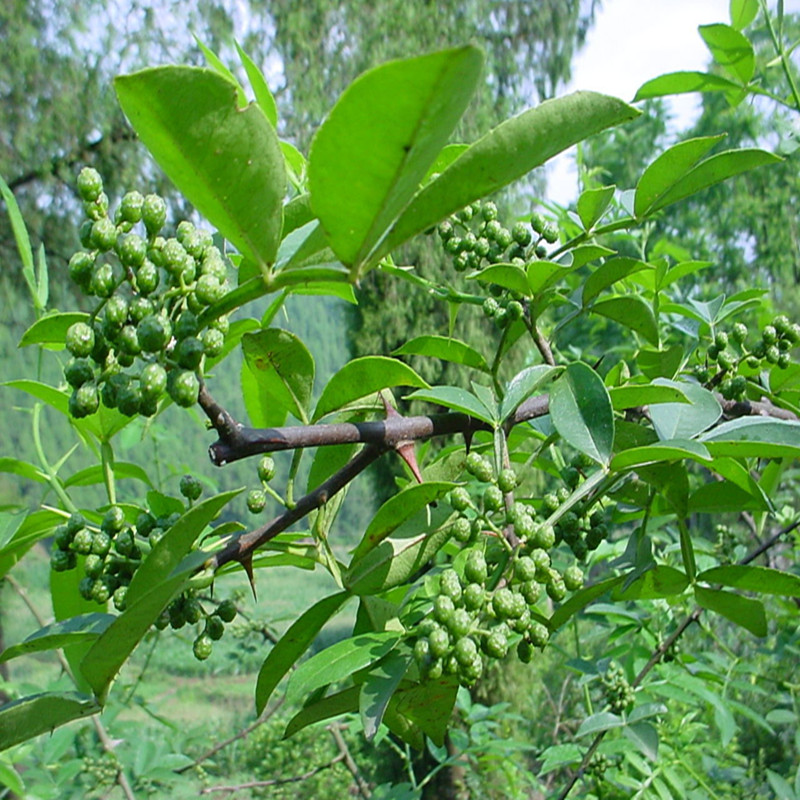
point(154, 213)
point(266, 469)
point(90, 184)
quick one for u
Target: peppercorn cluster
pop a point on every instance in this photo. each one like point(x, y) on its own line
point(143, 338)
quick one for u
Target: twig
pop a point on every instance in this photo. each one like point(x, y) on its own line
point(344, 753)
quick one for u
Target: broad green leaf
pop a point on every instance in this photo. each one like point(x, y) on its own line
point(297, 166)
point(226, 160)
point(685, 420)
point(396, 510)
point(361, 377)
point(682, 270)
point(660, 581)
point(645, 736)
point(634, 395)
point(175, 545)
point(743, 611)
point(742, 13)
point(602, 721)
point(447, 155)
point(632, 311)
point(558, 756)
point(731, 50)
point(523, 385)
point(456, 398)
point(660, 363)
point(21, 238)
point(394, 561)
point(668, 170)
point(592, 204)
point(506, 153)
point(338, 662)
point(293, 644)
point(508, 276)
point(52, 329)
point(719, 497)
point(61, 634)
point(659, 452)
point(34, 526)
point(754, 579)
point(333, 705)
point(300, 247)
point(580, 599)
point(111, 650)
point(580, 409)
point(94, 474)
point(283, 369)
point(445, 348)
point(29, 716)
point(428, 705)
point(22, 468)
point(607, 274)
point(544, 274)
point(219, 66)
point(374, 149)
point(261, 410)
point(11, 779)
point(378, 688)
point(683, 82)
point(714, 170)
point(757, 437)
point(586, 253)
point(259, 86)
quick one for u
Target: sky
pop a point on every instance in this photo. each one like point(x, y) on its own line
point(631, 42)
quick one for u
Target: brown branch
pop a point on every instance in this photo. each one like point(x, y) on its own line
point(344, 754)
point(692, 617)
point(754, 408)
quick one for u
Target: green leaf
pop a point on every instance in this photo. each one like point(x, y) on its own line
point(660, 452)
point(428, 705)
point(523, 385)
point(633, 395)
point(754, 437)
point(374, 149)
point(668, 169)
point(293, 644)
point(592, 204)
point(35, 526)
point(22, 468)
point(94, 475)
point(580, 409)
point(506, 153)
point(508, 276)
point(21, 238)
point(544, 274)
point(86, 627)
point(720, 497)
point(743, 611)
point(395, 560)
point(378, 688)
point(51, 329)
point(175, 545)
point(632, 311)
point(445, 348)
point(361, 377)
point(742, 13)
point(447, 155)
point(283, 369)
point(754, 579)
point(338, 662)
point(602, 721)
point(645, 736)
point(259, 86)
point(714, 170)
point(731, 50)
point(660, 581)
point(456, 398)
point(262, 412)
point(683, 82)
point(608, 273)
point(226, 160)
point(396, 510)
point(586, 253)
point(29, 716)
point(582, 598)
point(333, 705)
point(660, 363)
point(682, 420)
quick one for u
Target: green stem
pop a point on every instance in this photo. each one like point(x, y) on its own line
point(53, 480)
point(779, 50)
point(687, 551)
point(107, 459)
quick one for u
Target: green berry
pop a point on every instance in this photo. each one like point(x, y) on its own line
point(190, 487)
point(78, 371)
point(726, 361)
point(215, 628)
point(62, 538)
point(266, 469)
point(573, 578)
point(81, 266)
point(128, 341)
point(213, 342)
point(474, 596)
point(152, 381)
point(475, 567)
point(556, 587)
point(521, 234)
point(496, 644)
point(769, 335)
point(490, 307)
point(721, 340)
point(186, 325)
point(101, 543)
point(507, 604)
point(531, 590)
point(102, 282)
point(183, 387)
point(507, 480)
point(124, 542)
point(202, 647)
point(84, 401)
point(90, 184)
point(154, 213)
point(119, 597)
point(462, 530)
point(131, 207)
point(147, 277)
point(445, 230)
point(80, 339)
point(465, 650)
point(93, 565)
point(439, 643)
point(129, 400)
point(61, 560)
point(493, 499)
point(226, 610)
point(539, 635)
point(132, 250)
point(100, 591)
point(450, 585)
point(189, 352)
point(113, 520)
point(773, 354)
point(104, 235)
point(459, 623)
point(544, 538)
point(489, 211)
point(460, 499)
point(192, 610)
point(153, 333)
point(256, 501)
point(739, 333)
point(525, 569)
point(209, 289)
point(443, 608)
point(550, 234)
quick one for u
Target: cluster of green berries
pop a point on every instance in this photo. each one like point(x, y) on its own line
point(598, 765)
point(257, 498)
point(188, 609)
point(111, 554)
point(100, 771)
point(143, 339)
point(582, 530)
point(475, 239)
point(729, 359)
point(487, 602)
point(618, 692)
